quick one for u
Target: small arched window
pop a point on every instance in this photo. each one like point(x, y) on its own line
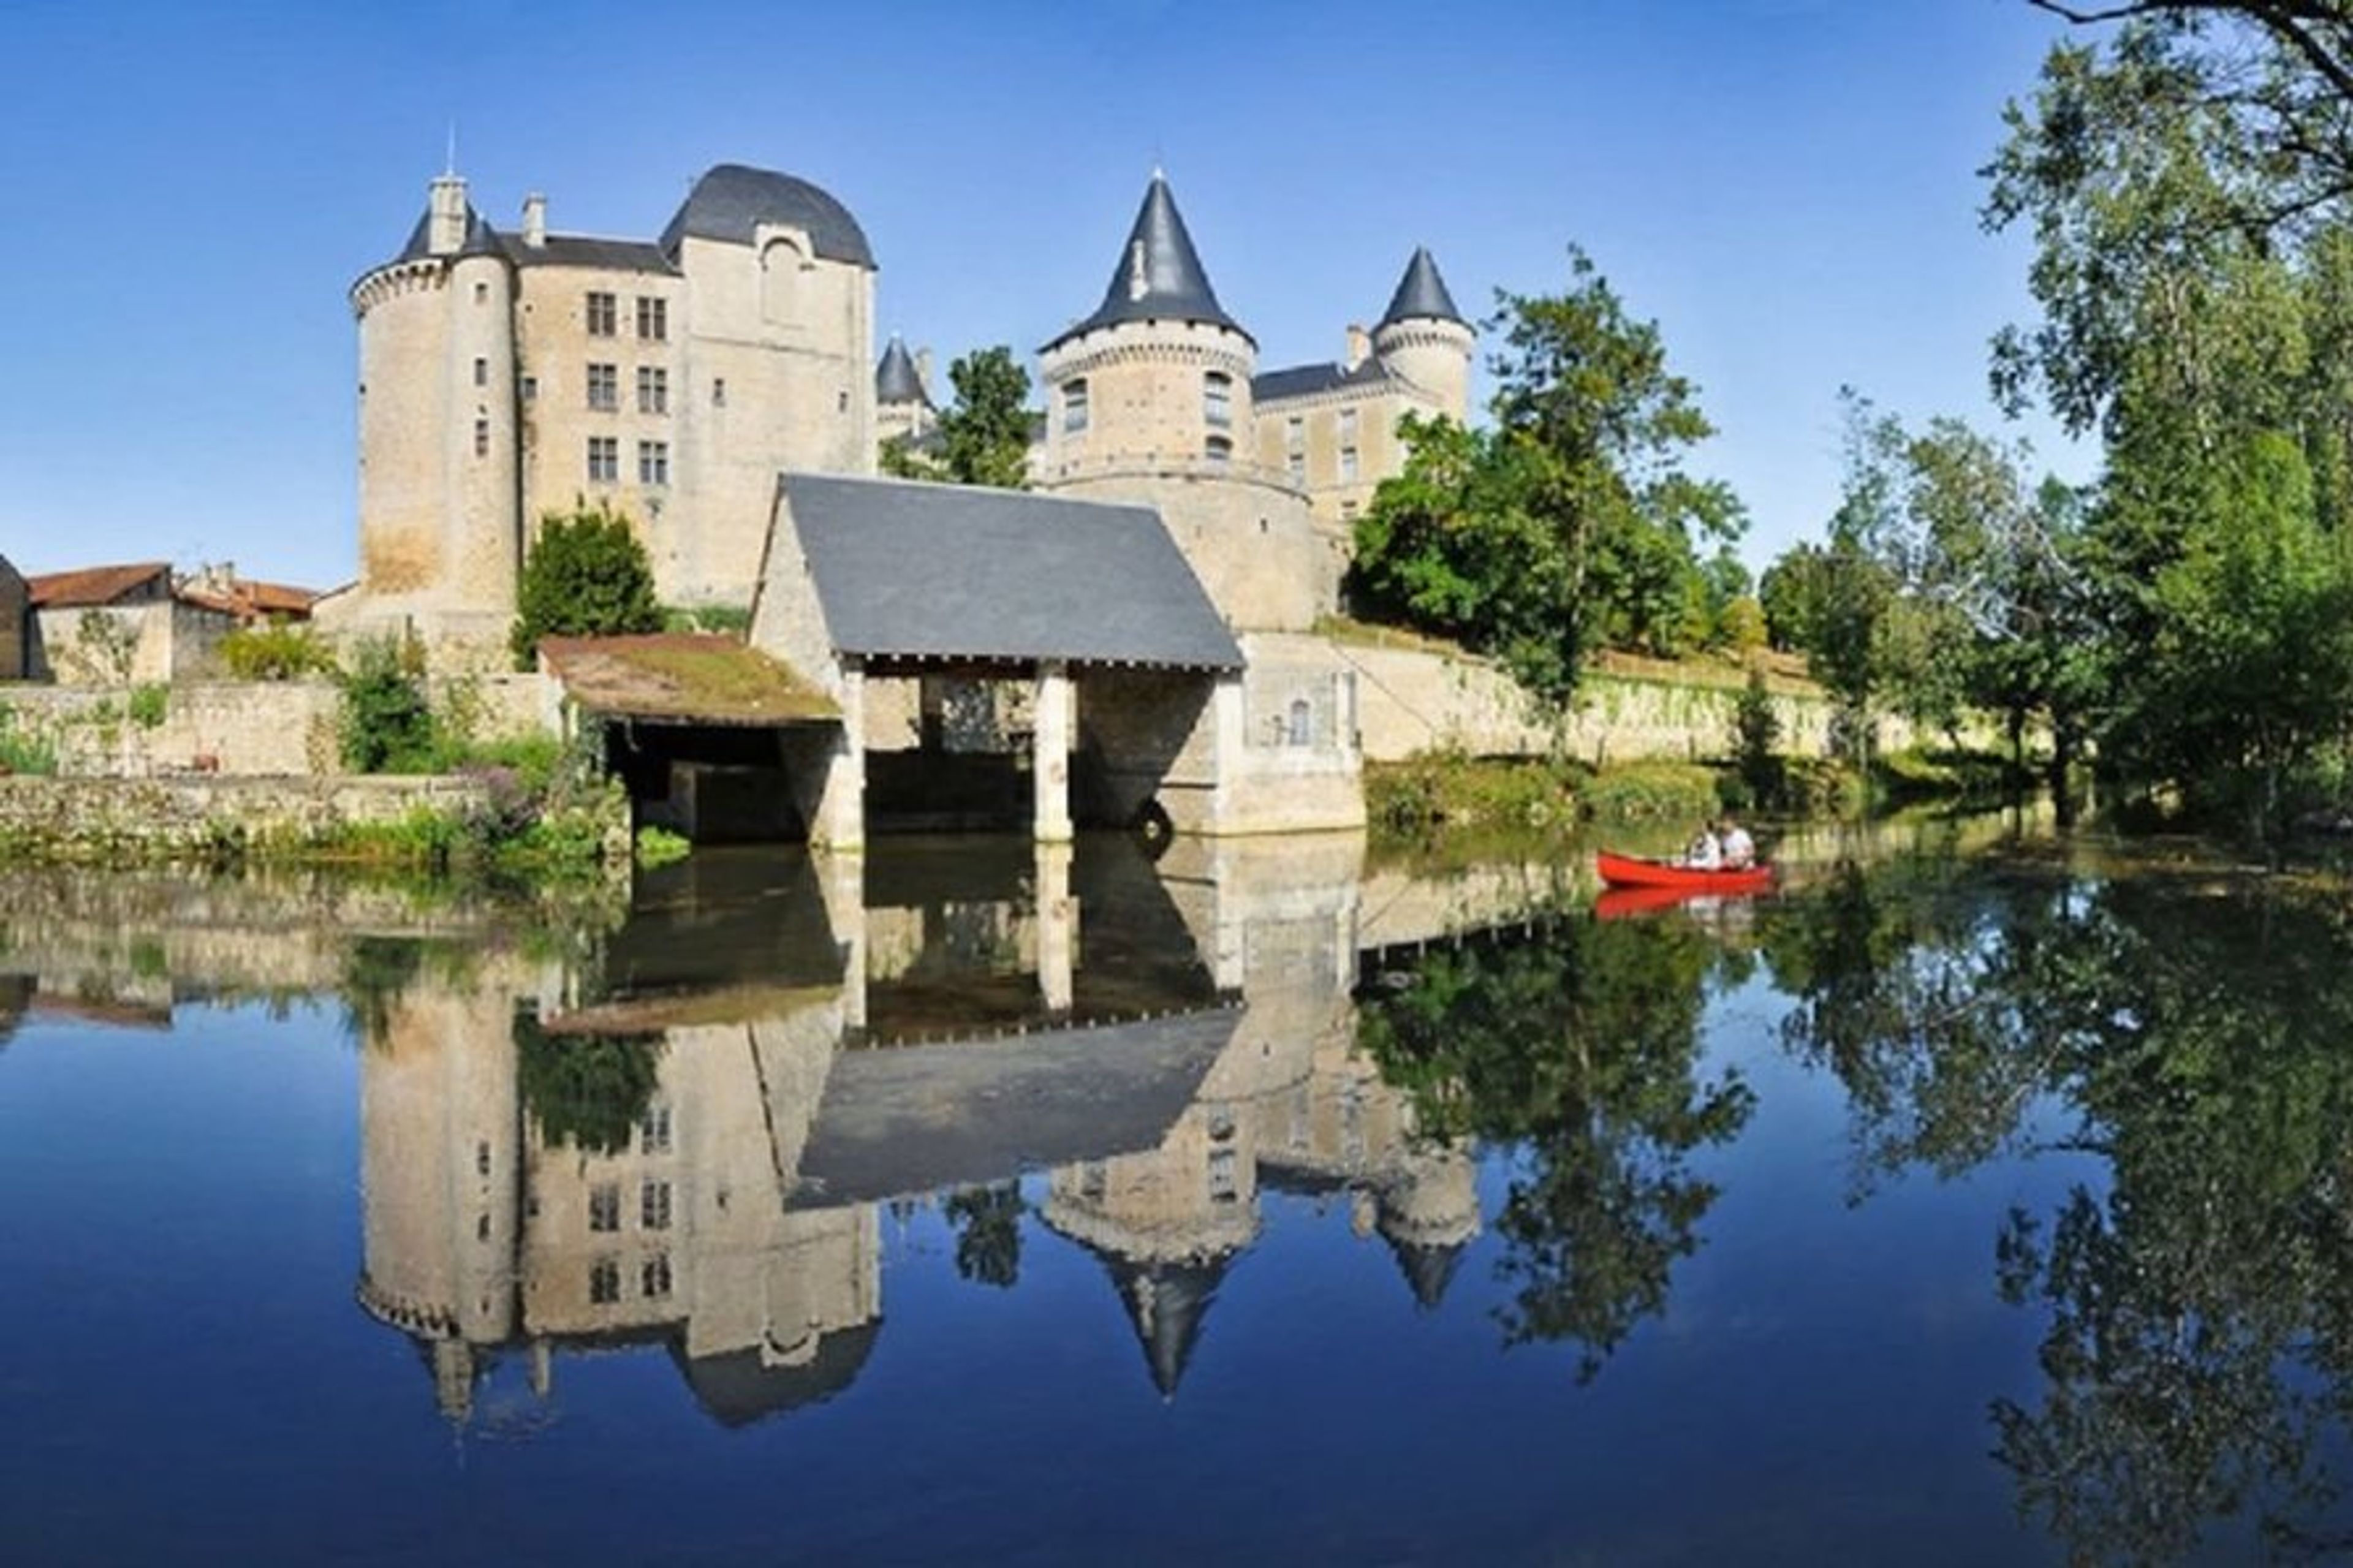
point(1074, 407)
point(1218, 398)
point(780, 280)
point(1220, 449)
point(1301, 730)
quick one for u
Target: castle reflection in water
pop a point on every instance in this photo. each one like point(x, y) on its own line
point(814, 1042)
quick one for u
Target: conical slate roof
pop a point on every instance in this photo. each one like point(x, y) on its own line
point(896, 379)
point(1421, 294)
point(1159, 277)
point(1167, 1302)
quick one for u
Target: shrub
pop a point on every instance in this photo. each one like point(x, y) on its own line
point(1756, 738)
point(587, 575)
point(149, 703)
point(277, 651)
point(659, 847)
point(21, 750)
point(387, 723)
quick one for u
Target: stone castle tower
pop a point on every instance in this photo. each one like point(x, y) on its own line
point(903, 403)
point(1149, 401)
point(505, 374)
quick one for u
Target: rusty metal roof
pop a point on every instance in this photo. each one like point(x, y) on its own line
point(90, 587)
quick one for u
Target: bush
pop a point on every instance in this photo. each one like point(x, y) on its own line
point(276, 652)
point(388, 724)
point(1650, 789)
point(587, 575)
point(1756, 739)
point(659, 847)
point(21, 750)
point(149, 703)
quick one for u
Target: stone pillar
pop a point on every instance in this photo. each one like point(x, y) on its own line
point(1229, 752)
point(1051, 761)
point(839, 821)
point(1057, 933)
point(841, 882)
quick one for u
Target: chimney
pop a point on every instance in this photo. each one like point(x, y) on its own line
point(923, 370)
point(534, 220)
point(1360, 345)
point(444, 233)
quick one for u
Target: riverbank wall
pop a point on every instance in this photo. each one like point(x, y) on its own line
point(128, 821)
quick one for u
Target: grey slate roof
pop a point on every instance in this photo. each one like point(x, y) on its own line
point(896, 379)
point(731, 200)
point(1159, 277)
point(583, 250)
point(904, 568)
point(1421, 293)
point(480, 240)
point(1306, 380)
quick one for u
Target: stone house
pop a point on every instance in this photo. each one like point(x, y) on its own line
point(15, 622)
point(116, 625)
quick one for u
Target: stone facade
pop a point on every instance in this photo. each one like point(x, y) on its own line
point(116, 821)
point(15, 622)
point(504, 376)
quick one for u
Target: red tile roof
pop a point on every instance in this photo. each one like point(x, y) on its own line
point(92, 586)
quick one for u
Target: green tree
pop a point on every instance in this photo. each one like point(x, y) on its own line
point(587, 575)
point(386, 725)
point(983, 437)
point(1792, 592)
point(1572, 520)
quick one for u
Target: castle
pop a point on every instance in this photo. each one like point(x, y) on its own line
point(508, 373)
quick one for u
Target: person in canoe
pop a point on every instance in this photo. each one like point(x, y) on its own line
point(1706, 851)
point(1739, 850)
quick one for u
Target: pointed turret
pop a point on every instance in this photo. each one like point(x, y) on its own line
point(1159, 277)
point(897, 379)
point(1168, 1302)
point(1421, 294)
point(1423, 337)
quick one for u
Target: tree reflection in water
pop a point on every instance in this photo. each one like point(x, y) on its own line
point(988, 1225)
point(2197, 1355)
point(1582, 1046)
point(586, 1089)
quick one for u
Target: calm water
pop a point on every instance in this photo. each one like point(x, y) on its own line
point(1974, 1201)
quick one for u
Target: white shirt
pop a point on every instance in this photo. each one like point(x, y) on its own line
point(1739, 849)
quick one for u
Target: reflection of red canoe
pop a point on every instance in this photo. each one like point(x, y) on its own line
point(1631, 871)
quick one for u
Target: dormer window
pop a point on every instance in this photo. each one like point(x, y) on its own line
point(1074, 407)
point(1218, 398)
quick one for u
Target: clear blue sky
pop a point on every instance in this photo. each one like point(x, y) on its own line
point(1787, 187)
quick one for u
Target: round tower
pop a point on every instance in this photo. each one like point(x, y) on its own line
point(903, 405)
point(1422, 337)
point(439, 509)
point(1148, 400)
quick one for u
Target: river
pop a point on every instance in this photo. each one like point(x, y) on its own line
point(1979, 1196)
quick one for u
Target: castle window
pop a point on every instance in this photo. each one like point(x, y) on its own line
point(481, 437)
point(653, 1280)
point(653, 1130)
point(841, 403)
point(603, 317)
point(604, 386)
point(653, 1206)
point(1074, 407)
point(1347, 465)
point(718, 392)
point(1300, 729)
point(1222, 1187)
point(603, 459)
point(1217, 397)
point(481, 293)
point(605, 1207)
point(653, 319)
point(605, 1281)
point(780, 276)
point(1347, 427)
point(481, 371)
point(1294, 433)
point(653, 389)
point(1298, 465)
point(653, 462)
point(1219, 449)
point(529, 387)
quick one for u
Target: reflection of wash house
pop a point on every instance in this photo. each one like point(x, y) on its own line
point(738, 1225)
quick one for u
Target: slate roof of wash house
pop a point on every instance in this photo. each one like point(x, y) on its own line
point(905, 569)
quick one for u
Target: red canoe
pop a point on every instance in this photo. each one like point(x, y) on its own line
point(1631, 871)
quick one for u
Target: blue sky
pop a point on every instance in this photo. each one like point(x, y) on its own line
point(1787, 187)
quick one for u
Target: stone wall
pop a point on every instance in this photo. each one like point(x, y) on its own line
point(1413, 700)
point(244, 728)
point(114, 821)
